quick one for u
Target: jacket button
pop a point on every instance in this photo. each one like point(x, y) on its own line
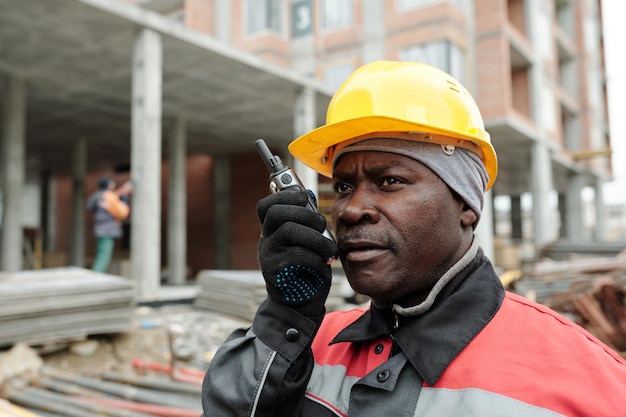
point(382, 376)
point(379, 349)
point(292, 334)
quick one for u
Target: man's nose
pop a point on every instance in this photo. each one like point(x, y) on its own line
point(359, 207)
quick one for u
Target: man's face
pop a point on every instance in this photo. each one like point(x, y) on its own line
point(398, 225)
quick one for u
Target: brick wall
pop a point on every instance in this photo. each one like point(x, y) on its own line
point(199, 213)
point(199, 15)
point(249, 182)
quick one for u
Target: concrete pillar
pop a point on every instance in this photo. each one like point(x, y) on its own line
point(537, 18)
point(79, 172)
point(471, 80)
point(373, 30)
point(303, 122)
point(494, 218)
point(573, 219)
point(222, 20)
point(221, 207)
point(600, 231)
point(13, 174)
point(484, 230)
point(49, 211)
point(541, 185)
point(146, 164)
point(177, 205)
point(562, 198)
point(516, 218)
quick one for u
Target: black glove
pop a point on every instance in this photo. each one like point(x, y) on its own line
point(293, 253)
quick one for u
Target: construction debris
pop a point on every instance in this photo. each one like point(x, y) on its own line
point(19, 360)
point(49, 305)
point(70, 395)
point(140, 372)
point(596, 310)
point(549, 269)
point(564, 249)
point(590, 290)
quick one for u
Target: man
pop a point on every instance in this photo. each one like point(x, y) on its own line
point(410, 161)
point(110, 208)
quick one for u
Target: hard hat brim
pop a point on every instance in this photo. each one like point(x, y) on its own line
point(315, 148)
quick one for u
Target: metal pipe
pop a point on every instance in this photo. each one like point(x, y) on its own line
point(36, 402)
point(64, 387)
point(160, 384)
point(191, 376)
point(126, 391)
point(11, 410)
point(152, 409)
point(73, 407)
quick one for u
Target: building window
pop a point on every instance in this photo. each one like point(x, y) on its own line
point(335, 76)
point(336, 13)
point(263, 15)
point(441, 54)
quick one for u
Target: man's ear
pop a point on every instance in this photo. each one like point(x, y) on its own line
point(468, 217)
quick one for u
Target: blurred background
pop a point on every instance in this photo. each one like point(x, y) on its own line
point(172, 94)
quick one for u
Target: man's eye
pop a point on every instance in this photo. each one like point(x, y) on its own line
point(342, 187)
point(391, 181)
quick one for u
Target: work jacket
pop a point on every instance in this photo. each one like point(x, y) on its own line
point(478, 351)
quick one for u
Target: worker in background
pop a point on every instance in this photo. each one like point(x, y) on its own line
point(410, 162)
point(110, 207)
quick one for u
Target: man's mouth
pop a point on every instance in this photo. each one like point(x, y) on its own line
point(361, 250)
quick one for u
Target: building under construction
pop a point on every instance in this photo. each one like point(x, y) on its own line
point(172, 94)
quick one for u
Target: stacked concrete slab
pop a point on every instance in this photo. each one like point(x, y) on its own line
point(239, 293)
point(51, 305)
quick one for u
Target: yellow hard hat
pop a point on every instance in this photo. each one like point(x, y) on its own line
point(410, 100)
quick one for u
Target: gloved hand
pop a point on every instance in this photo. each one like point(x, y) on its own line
point(293, 254)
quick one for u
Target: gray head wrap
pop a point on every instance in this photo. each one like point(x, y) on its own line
point(462, 170)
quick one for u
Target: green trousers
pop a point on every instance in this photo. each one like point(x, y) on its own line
point(104, 253)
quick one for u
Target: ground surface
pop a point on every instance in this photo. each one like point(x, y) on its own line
point(180, 333)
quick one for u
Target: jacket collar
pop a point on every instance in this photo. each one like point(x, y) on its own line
point(433, 339)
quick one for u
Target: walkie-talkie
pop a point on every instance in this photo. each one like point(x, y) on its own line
point(283, 177)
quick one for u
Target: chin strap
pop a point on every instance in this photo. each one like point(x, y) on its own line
point(428, 302)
